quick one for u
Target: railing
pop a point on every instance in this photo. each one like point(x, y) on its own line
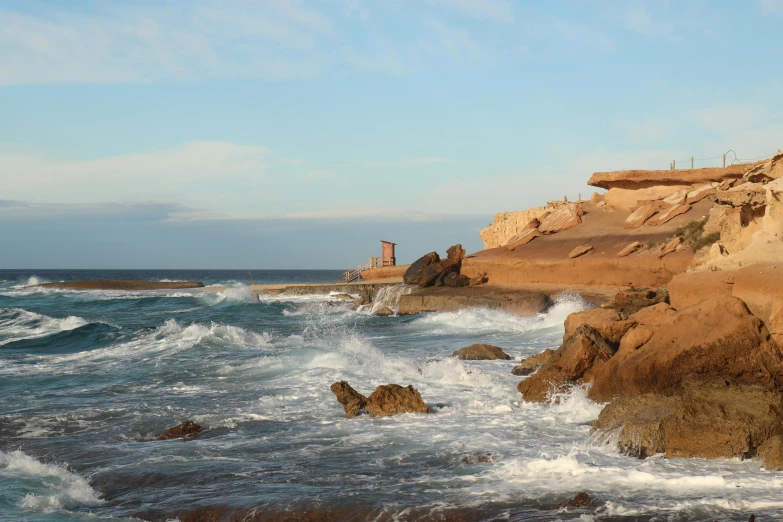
point(355, 273)
point(690, 163)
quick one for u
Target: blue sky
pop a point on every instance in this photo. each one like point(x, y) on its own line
point(273, 133)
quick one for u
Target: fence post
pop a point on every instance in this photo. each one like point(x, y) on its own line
point(724, 160)
point(691, 162)
point(674, 164)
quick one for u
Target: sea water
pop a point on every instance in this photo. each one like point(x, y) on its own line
point(88, 379)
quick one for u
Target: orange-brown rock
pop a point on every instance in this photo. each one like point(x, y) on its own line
point(609, 324)
point(717, 337)
point(766, 171)
point(352, 401)
point(668, 214)
point(563, 218)
point(414, 276)
point(393, 399)
point(632, 300)
point(571, 364)
point(710, 419)
point(182, 431)
point(533, 363)
point(637, 179)
point(639, 216)
point(579, 251)
point(456, 254)
point(630, 249)
point(670, 247)
point(678, 198)
point(634, 339)
point(523, 238)
point(654, 315)
point(480, 352)
point(771, 453)
point(753, 195)
point(700, 192)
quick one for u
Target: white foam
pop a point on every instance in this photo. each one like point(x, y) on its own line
point(471, 320)
point(55, 487)
point(17, 324)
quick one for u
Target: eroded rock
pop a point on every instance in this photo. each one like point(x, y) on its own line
point(533, 363)
point(579, 251)
point(639, 216)
point(563, 218)
point(393, 399)
point(670, 247)
point(353, 402)
point(630, 249)
point(668, 214)
point(480, 352)
point(413, 276)
point(630, 301)
point(523, 238)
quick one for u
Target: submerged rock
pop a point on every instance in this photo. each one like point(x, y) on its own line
point(581, 499)
point(480, 352)
point(181, 431)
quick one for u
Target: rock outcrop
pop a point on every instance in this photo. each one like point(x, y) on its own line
point(414, 275)
point(182, 431)
point(533, 363)
point(562, 218)
point(712, 419)
point(481, 352)
point(431, 270)
point(386, 400)
point(632, 300)
point(507, 225)
point(717, 337)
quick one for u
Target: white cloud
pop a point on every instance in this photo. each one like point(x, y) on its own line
point(195, 172)
point(496, 10)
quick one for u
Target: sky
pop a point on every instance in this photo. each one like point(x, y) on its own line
point(272, 134)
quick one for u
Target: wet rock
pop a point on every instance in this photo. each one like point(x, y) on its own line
point(480, 352)
point(384, 311)
point(413, 275)
point(581, 499)
point(580, 251)
point(352, 401)
point(571, 364)
point(563, 218)
point(630, 249)
point(181, 431)
point(478, 458)
point(711, 418)
point(771, 453)
point(533, 363)
point(393, 399)
point(718, 337)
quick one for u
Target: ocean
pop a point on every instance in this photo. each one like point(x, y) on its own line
point(88, 379)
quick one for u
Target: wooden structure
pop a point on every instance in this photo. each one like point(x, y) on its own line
point(387, 258)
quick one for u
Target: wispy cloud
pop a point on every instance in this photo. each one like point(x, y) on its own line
point(496, 10)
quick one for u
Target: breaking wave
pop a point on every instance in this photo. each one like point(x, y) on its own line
point(17, 324)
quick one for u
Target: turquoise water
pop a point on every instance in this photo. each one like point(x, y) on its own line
point(88, 379)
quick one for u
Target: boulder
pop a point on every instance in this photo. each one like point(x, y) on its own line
point(630, 301)
point(523, 238)
point(709, 419)
point(456, 254)
point(456, 280)
point(717, 337)
point(480, 352)
point(609, 324)
point(579, 251)
point(668, 214)
point(571, 364)
point(670, 247)
point(413, 275)
point(478, 280)
point(182, 431)
point(393, 399)
point(533, 363)
point(630, 249)
point(562, 218)
point(640, 215)
point(351, 400)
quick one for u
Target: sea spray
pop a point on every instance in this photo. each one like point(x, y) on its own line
point(388, 297)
